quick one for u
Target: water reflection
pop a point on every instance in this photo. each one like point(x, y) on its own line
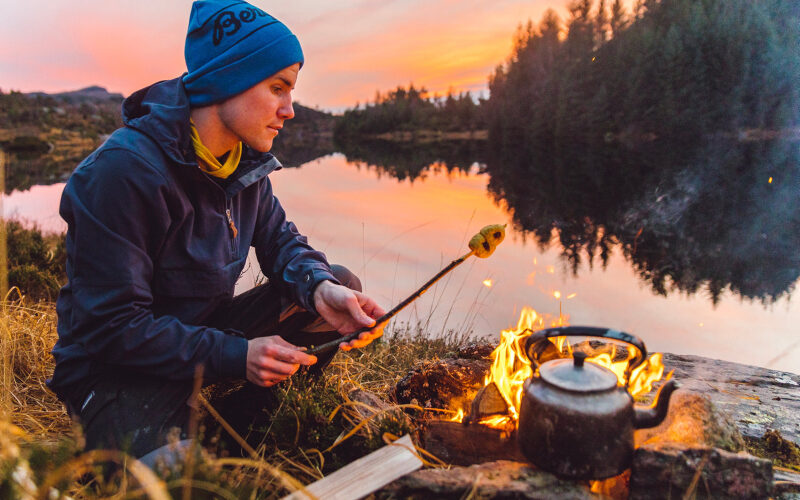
point(410, 160)
point(25, 170)
point(297, 149)
point(710, 218)
point(721, 217)
point(691, 218)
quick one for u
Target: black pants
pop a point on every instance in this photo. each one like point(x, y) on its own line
point(137, 413)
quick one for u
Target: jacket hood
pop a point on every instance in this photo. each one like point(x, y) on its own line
point(161, 111)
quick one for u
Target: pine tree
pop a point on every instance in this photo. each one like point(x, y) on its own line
point(618, 21)
point(601, 23)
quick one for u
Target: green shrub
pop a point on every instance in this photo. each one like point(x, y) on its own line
point(36, 262)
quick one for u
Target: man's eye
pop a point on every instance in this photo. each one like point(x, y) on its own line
point(277, 90)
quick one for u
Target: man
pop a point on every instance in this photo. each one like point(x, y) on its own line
point(160, 221)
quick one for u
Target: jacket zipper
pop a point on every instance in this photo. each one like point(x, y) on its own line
point(234, 232)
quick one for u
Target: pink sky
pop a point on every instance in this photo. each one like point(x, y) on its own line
point(352, 47)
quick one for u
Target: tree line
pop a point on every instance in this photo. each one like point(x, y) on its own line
point(682, 69)
point(677, 69)
point(411, 110)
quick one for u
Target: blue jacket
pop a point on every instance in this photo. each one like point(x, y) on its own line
point(150, 252)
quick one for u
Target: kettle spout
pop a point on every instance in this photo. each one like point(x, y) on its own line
point(654, 415)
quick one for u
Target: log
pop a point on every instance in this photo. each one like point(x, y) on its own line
point(367, 474)
point(460, 444)
point(488, 402)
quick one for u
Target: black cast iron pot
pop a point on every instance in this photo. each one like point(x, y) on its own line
point(575, 420)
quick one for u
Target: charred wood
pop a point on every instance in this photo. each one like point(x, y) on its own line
point(468, 444)
point(448, 383)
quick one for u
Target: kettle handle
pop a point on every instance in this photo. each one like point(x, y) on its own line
point(535, 345)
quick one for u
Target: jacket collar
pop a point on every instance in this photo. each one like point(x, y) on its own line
point(161, 111)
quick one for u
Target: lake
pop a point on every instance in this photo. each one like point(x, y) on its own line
point(396, 234)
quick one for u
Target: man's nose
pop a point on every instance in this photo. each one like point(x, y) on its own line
point(286, 111)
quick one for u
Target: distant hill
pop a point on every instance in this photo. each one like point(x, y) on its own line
point(94, 111)
point(303, 114)
point(93, 93)
point(96, 94)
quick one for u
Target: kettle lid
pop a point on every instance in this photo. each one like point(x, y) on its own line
point(577, 376)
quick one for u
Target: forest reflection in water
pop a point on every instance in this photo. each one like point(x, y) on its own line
point(704, 219)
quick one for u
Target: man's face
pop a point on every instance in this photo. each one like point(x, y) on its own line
point(256, 115)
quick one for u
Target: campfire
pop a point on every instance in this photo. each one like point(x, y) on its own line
point(558, 401)
point(497, 403)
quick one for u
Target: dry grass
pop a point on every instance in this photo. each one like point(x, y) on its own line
point(28, 334)
point(39, 444)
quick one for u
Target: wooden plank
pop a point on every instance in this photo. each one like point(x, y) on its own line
point(360, 478)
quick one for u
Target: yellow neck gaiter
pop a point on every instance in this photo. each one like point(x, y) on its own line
point(209, 164)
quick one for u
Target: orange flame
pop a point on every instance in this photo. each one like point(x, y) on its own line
point(499, 421)
point(642, 377)
point(488, 283)
point(511, 366)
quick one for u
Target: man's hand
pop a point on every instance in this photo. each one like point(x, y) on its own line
point(271, 360)
point(347, 310)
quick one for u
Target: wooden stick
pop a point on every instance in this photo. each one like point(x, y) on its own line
point(315, 350)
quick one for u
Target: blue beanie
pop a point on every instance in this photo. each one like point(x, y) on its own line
point(231, 46)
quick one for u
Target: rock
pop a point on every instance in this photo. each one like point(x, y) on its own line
point(372, 404)
point(757, 399)
point(693, 420)
point(498, 480)
point(670, 456)
point(448, 383)
point(669, 470)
